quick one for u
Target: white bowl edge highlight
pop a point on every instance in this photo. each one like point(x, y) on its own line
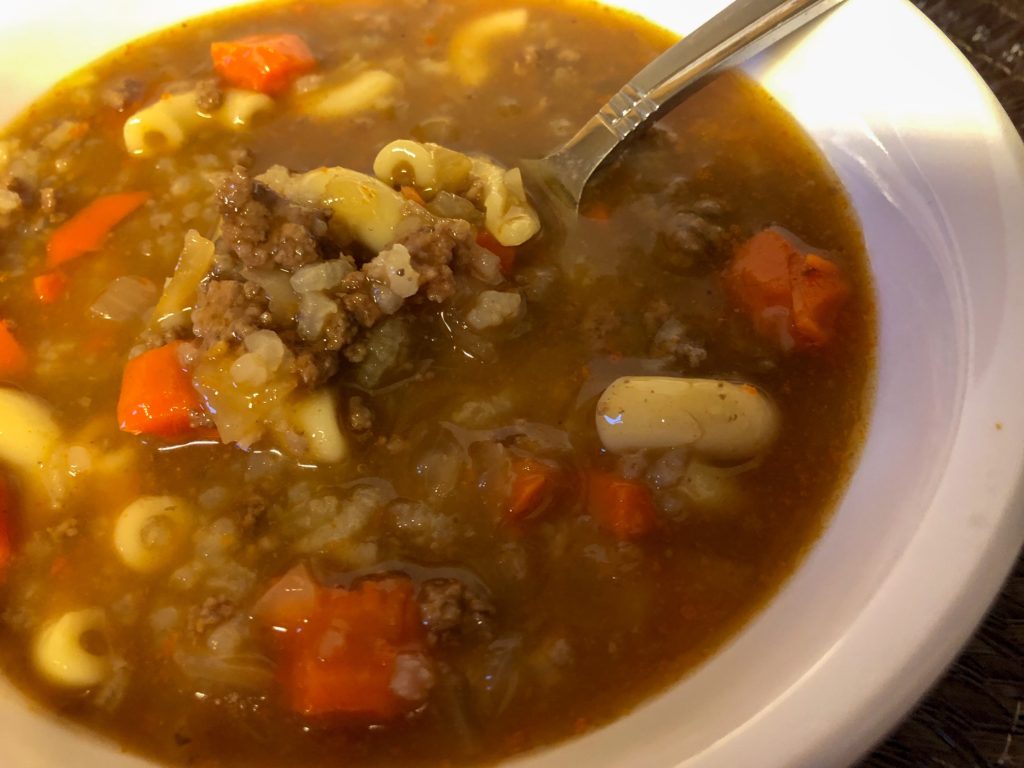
point(934, 515)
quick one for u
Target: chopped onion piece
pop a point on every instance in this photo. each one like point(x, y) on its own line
point(126, 298)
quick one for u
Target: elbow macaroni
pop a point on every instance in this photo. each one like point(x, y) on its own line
point(167, 123)
point(718, 419)
point(150, 532)
point(433, 168)
point(430, 168)
point(469, 53)
point(369, 210)
point(61, 657)
point(509, 215)
point(373, 89)
point(363, 207)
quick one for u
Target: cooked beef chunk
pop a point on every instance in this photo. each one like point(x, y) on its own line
point(208, 95)
point(265, 239)
point(600, 327)
point(261, 228)
point(316, 367)
point(434, 248)
point(450, 610)
point(254, 511)
point(123, 95)
point(339, 331)
point(358, 299)
point(690, 236)
point(23, 194)
point(227, 310)
point(360, 417)
point(213, 612)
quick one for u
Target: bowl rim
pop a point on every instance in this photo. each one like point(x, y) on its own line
point(836, 722)
point(823, 719)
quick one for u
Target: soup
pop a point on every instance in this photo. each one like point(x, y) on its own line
point(322, 445)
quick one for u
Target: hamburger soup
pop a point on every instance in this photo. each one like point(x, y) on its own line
point(319, 446)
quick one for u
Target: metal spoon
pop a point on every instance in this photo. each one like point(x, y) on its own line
point(742, 29)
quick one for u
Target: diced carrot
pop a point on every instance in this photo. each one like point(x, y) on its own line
point(792, 298)
point(624, 507)
point(759, 281)
point(343, 657)
point(6, 549)
point(157, 396)
point(532, 490)
point(599, 211)
point(86, 231)
point(506, 253)
point(265, 63)
point(818, 295)
point(49, 287)
point(410, 193)
point(13, 360)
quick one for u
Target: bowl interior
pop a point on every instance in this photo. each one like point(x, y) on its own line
point(933, 171)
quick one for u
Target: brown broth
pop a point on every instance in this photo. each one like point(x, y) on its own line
point(637, 616)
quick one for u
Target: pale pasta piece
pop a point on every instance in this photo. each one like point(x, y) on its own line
point(60, 655)
point(709, 486)
point(430, 168)
point(470, 51)
point(509, 215)
point(28, 433)
point(194, 263)
point(150, 532)
point(362, 206)
point(168, 123)
point(718, 419)
point(373, 89)
point(315, 417)
point(239, 107)
point(116, 462)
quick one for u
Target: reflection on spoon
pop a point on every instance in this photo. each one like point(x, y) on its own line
point(744, 28)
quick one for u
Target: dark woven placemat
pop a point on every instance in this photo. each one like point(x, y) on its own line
point(974, 717)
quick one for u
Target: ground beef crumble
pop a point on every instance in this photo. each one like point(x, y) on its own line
point(450, 610)
point(124, 94)
point(360, 417)
point(253, 513)
point(227, 310)
point(265, 240)
point(212, 612)
point(259, 227)
point(433, 248)
point(209, 96)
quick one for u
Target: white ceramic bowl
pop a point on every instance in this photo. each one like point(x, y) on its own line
point(934, 516)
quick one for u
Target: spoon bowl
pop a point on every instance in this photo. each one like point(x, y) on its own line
point(741, 30)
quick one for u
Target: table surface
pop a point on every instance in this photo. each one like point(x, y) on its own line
point(974, 717)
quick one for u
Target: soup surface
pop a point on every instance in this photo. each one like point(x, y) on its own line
point(320, 445)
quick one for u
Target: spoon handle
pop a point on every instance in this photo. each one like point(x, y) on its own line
point(738, 32)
